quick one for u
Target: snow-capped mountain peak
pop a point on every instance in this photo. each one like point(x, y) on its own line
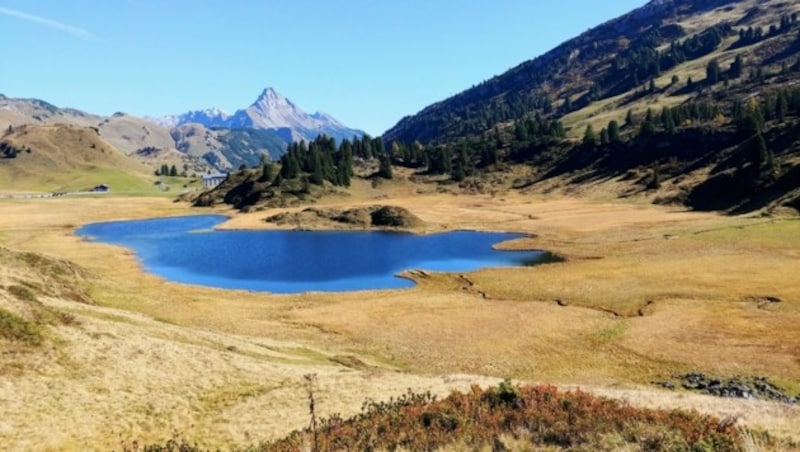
point(270, 111)
point(210, 117)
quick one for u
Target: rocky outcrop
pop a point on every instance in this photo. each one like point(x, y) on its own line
point(377, 217)
point(737, 387)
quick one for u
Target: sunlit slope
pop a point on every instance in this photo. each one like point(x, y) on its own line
point(67, 158)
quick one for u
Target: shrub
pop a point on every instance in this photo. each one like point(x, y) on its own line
point(16, 328)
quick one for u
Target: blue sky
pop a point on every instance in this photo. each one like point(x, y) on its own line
point(367, 63)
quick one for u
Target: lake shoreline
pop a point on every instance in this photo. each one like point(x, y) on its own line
point(180, 249)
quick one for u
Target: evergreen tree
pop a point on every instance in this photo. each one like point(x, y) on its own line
point(385, 168)
point(343, 175)
point(713, 72)
point(613, 131)
point(266, 172)
point(317, 168)
point(629, 121)
point(604, 138)
point(782, 107)
point(589, 138)
point(736, 67)
point(459, 172)
point(762, 155)
point(521, 131)
point(290, 166)
point(173, 171)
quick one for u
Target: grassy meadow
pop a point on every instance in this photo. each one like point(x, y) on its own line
point(111, 354)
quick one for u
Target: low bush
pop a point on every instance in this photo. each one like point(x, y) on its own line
point(16, 328)
point(541, 416)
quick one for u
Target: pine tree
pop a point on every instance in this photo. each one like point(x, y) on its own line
point(458, 173)
point(343, 175)
point(762, 155)
point(173, 171)
point(613, 131)
point(713, 72)
point(782, 107)
point(629, 121)
point(385, 168)
point(736, 67)
point(589, 138)
point(266, 172)
point(317, 169)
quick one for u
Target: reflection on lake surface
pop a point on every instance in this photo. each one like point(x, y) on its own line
point(188, 250)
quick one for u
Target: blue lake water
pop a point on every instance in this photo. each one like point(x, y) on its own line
point(188, 250)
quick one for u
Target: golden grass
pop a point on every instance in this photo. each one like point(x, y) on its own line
point(226, 366)
point(70, 158)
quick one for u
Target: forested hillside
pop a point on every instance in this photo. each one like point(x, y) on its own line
point(703, 94)
point(683, 102)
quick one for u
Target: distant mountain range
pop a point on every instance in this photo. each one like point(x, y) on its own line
point(210, 137)
point(272, 112)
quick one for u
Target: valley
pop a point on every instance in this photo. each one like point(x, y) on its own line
point(654, 157)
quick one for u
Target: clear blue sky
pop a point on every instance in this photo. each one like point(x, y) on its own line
point(366, 62)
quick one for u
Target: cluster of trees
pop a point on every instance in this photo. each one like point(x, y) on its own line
point(774, 106)
point(481, 107)
point(458, 159)
point(607, 135)
point(716, 74)
point(644, 61)
point(322, 160)
point(411, 155)
point(752, 35)
point(166, 170)
point(537, 130)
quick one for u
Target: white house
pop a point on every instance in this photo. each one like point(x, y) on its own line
point(213, 179)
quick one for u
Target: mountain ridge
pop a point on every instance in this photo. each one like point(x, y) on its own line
point(572, 68)
point(212, 137)
point(676, 101)
point(271, 111)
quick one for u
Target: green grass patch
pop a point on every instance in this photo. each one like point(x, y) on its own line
point(19, 329)
point(779, 233)
point(611, 332)
point(224, 397)
point(119, 181)
point(22, 293)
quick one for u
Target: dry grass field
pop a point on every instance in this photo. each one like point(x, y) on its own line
point(644, 293)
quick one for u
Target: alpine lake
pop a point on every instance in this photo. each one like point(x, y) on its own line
point(189, 250)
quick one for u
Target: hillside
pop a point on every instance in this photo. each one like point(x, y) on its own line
point(227, 148)
point(671, 102)
point(66, 158)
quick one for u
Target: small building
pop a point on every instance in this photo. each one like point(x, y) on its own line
point(213, 179)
